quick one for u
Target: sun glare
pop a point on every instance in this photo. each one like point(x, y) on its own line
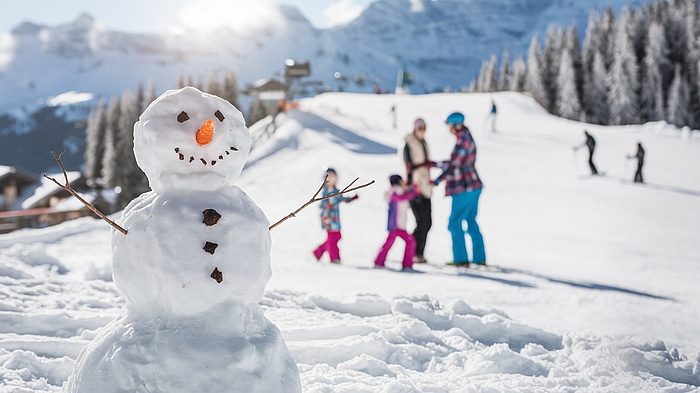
point(207, 15)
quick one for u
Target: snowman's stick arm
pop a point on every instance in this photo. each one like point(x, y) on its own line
point(314, 199)
point(70, 189)
point(344, 191)
point(349, 185)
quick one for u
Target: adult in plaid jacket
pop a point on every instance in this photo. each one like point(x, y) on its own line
point(464, 186)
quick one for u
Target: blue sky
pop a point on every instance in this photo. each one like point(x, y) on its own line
point(172, 15)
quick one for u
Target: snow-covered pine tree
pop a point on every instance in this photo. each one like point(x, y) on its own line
point(140, 97)
point(150, 95)
point(231, 88)
point(595, 92)
point(568, 104)
point(111, 158)
point(590, 43)
point(692, 65)
point(623, 97)
point(214, 86)
point(505, 73)
point(574, 47)
point(131, 179)
point(553, 48)
point(604, 31)
point(533, 82)
point(519, 75)
point(678, 99)
point(655, 60)
point(481, 84)
point(492, 75)
point(676, 34)
point(95, 143)
point(637, 32)
point(590, 47)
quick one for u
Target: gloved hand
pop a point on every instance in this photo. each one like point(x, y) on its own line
point(354, 197)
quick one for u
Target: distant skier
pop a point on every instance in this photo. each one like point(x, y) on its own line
point(640, 162)
point(493, 116)
point(464, 186)
point(590, 142)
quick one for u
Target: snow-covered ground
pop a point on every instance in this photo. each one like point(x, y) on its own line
point(592, 284)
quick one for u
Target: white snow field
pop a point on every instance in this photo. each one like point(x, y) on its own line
point(592, 284)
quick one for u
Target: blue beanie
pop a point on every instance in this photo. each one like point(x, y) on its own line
point(455, 118)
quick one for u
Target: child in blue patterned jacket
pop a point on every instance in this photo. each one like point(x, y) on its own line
point(330, 218)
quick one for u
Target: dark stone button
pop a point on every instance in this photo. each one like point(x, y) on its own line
point(211, 217)
point(210, 247)
point(217, 275)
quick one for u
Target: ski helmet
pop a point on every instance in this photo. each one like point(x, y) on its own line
point(455, 118)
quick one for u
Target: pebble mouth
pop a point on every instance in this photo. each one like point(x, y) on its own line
point(183, 157)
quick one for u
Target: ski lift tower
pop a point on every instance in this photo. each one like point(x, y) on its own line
point(403, 80)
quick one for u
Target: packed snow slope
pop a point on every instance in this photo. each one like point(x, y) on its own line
point(592, 283)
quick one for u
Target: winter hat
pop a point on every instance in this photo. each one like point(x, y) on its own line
point(331, 170)
point(418, 123)
point(455, 118)
point(394, 179)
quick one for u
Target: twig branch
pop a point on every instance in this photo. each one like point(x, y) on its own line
point(68, 188)
point(350, 185)
point(314, 199)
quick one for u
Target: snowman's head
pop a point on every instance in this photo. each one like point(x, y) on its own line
point(187, 139)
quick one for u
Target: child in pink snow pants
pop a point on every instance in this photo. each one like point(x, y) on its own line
point(330, 218)
point(398, 197)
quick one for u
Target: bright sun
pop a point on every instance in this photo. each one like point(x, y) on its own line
point(207, 15)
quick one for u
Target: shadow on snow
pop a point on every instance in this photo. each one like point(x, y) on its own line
point(339, 135)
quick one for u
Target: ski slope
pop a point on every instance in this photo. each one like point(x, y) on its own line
point(592, 284)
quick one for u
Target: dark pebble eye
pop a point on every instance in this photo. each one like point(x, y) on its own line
point(219, 115)
point(182, 117)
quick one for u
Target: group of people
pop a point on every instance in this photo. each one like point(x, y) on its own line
point(590, 143)
point(463, 185)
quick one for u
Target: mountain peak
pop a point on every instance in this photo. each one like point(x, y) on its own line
point(84, 20)
point(27, 28)
point(292, 13)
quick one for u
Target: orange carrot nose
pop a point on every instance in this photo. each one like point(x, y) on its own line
point(205, 133)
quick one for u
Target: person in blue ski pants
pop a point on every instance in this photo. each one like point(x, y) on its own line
point(464, 186)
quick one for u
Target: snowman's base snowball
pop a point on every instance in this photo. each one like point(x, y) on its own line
point(229, 349)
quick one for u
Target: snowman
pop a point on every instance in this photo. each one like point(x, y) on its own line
point(192, 267)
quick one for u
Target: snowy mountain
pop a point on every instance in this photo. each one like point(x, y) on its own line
point(441, 42)
point(592, 283)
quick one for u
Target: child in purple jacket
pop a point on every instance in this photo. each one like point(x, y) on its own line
point(398, 197)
